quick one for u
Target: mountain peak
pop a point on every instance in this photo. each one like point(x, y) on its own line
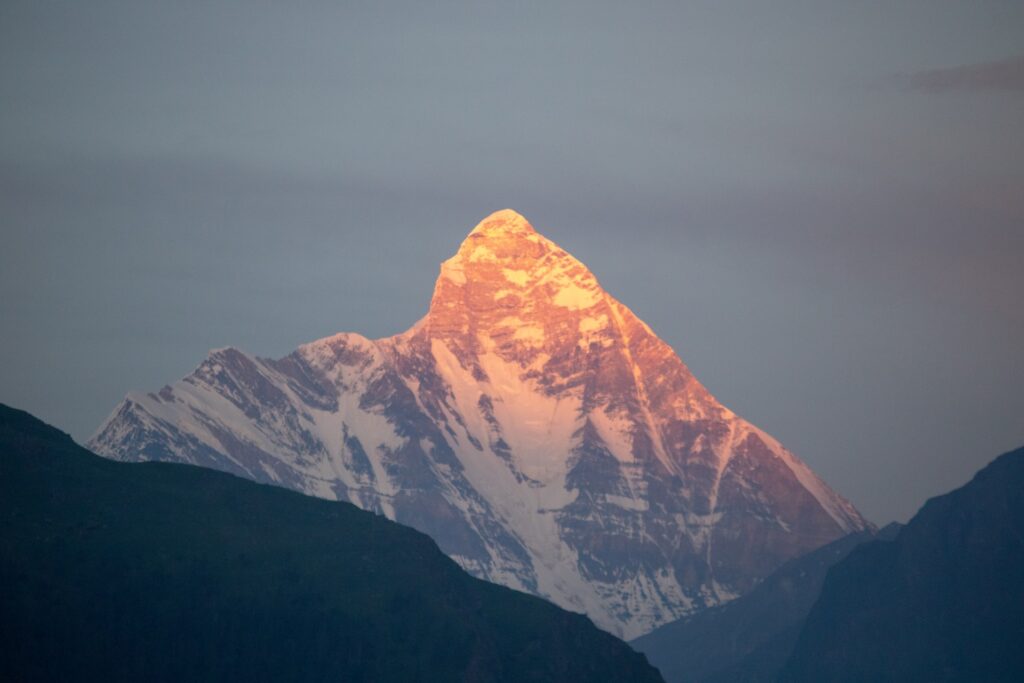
point(503, 236)
point(503, 223)
point(506, 278)
point(505, 248)
point(531, 423)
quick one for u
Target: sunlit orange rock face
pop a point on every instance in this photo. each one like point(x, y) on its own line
point(536, 428)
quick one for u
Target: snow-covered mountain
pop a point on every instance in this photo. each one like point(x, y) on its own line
point(540, 432)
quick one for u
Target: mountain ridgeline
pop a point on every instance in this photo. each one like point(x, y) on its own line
point(943, 601)
point(531, 424)
point(748, 639)
point(164, 572)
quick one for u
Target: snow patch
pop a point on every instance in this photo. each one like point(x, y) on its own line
point(517, 277)
point(576, 298)
point(593, 324)
point(482, 253)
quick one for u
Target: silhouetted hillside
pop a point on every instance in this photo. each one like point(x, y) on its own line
point(944, 601)
point(154, 571)
point(749, 639)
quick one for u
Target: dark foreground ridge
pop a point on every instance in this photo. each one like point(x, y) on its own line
point(749, 638)
point(163, 572)
point(943, 601)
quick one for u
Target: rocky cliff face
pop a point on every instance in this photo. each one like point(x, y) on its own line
point(540, 432)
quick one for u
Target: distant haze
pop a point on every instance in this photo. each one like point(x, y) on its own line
point(819, 206)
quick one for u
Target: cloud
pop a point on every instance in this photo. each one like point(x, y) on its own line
point(1006, 75)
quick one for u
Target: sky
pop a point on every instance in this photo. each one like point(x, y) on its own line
point(820, 206)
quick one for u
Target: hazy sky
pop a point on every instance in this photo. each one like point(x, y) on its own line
point(819, 205)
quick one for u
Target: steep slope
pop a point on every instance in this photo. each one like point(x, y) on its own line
point(530, 423)
point(163, 572)
point(944, 601)
point(748, 639)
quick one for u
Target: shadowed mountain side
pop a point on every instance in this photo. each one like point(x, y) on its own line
point(944, 601)
point(165, 572)
point(749, 638)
